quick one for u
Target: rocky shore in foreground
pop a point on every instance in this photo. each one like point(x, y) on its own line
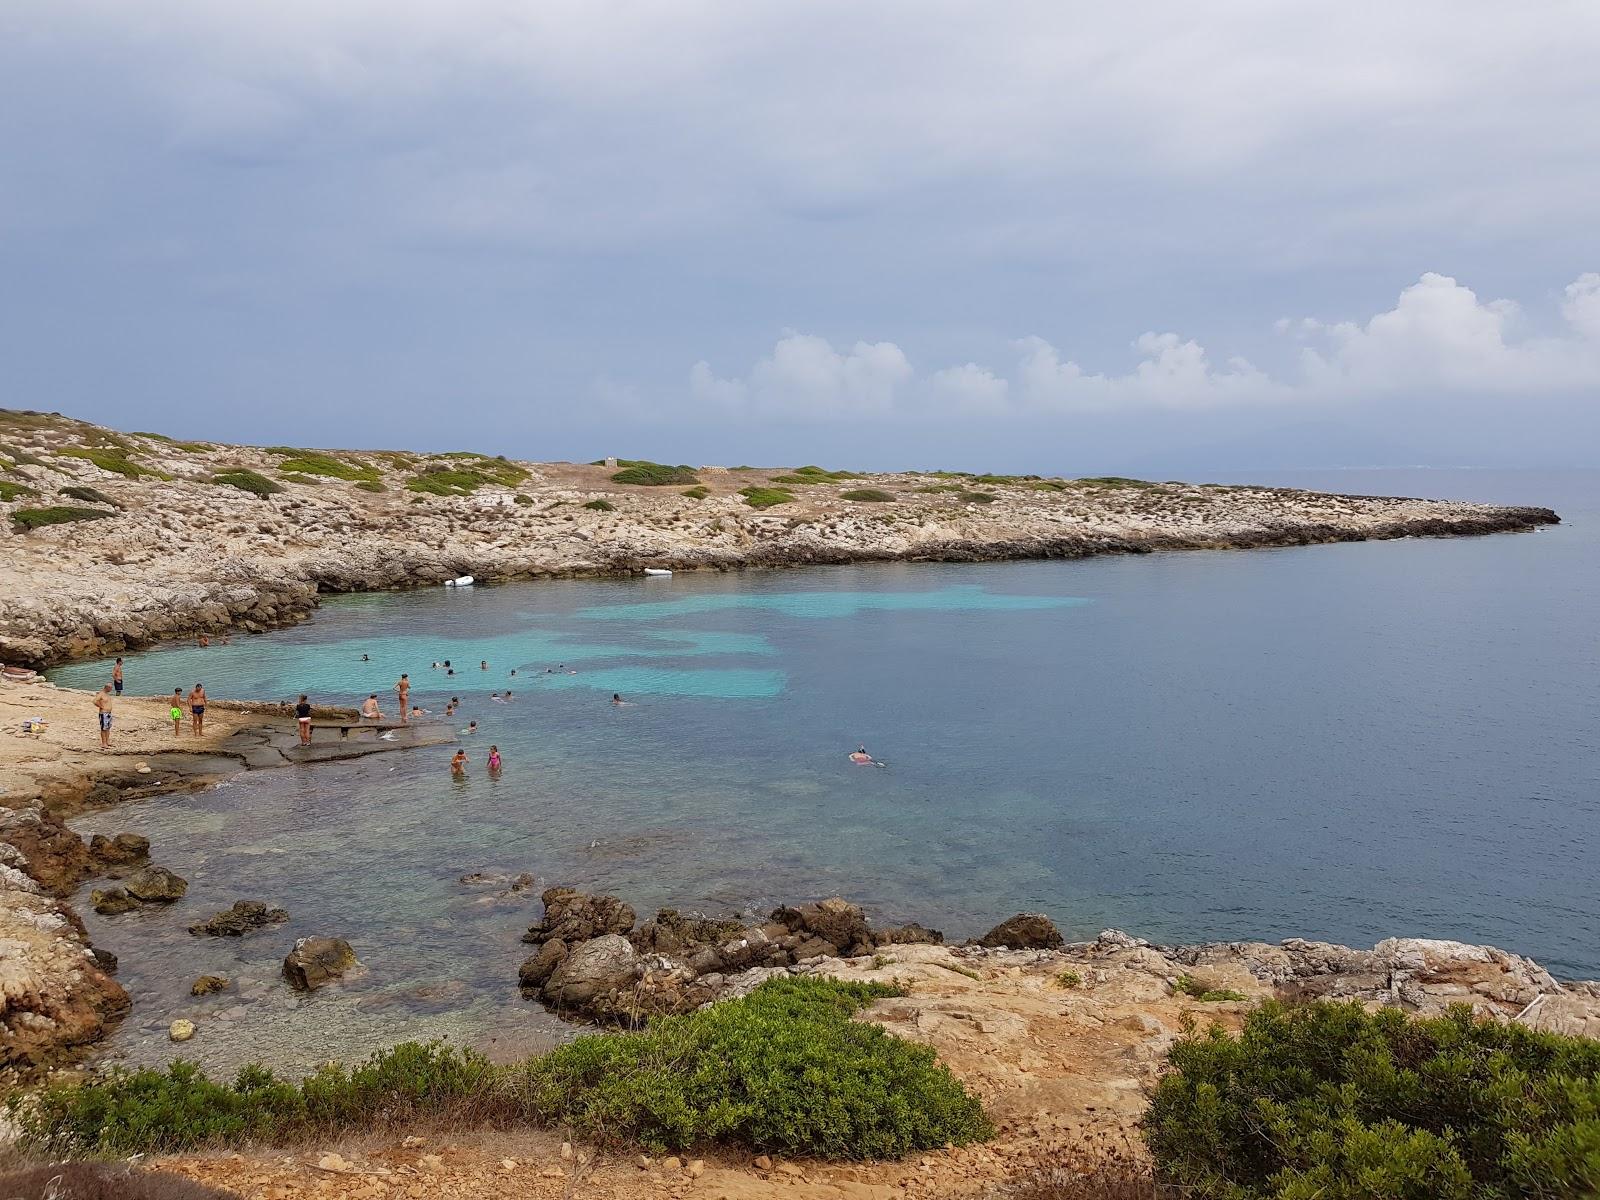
point(115, 540)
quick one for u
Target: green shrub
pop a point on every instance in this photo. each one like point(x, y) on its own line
point(699, 492)
point(314, 462)
point(370, 485)
point(296, 477)
point(246, 481)
point(1333, 1102)
point(1069, 980)
point(1188, 985)
point(601, 506)
point(10, 490)
point(783, 1070)
point(458, 480)
point(967, 497)
point(35, 518)
point(765, 497)
point(149, 1111)
point(649, 474)
point(88, 494)
point(113, 460)
point(867, 495)
point(524, 501)
point(1117, 481)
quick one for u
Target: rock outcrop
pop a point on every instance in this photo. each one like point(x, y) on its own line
point(156, 885)
point(54, 996)
point(180, 553)
point(316, 961)
point(1025, 931)
point(244, 916)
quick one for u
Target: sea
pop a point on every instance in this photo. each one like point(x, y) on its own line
point(1343, 742)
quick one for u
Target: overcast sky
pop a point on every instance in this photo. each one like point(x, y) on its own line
point(1052, 236)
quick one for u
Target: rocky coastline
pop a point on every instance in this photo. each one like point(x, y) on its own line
point(164, 539)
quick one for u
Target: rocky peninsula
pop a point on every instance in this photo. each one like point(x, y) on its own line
point(115, 540)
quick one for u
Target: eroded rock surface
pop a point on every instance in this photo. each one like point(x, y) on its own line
point(244, 916)
point(316, 961)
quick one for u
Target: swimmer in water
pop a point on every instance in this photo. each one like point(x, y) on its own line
point(484, 665)
point(366, 658)
point(494, 759)
point(458, 764)
point(862, 759)
point(616, 698)
point(472, 727)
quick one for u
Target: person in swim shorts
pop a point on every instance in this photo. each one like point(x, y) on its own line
point(116, 675)
point(458, 764)
point(302, 718)
point(176, 712)
point(197, 709)
point(103, 703)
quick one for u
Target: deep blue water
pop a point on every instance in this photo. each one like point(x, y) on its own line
point(1343, 742)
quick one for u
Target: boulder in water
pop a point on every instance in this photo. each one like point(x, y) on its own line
point(541, 966)
point(112, 901)
point(181, 1030)
point(1025, 931)
point(208, 985)
point(575, 916)
point(156, 885)
point(315, 961)
point(833, 920)
point(123, 850)
point(244, 916)
point(908, 935)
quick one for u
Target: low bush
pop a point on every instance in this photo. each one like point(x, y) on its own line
point(976, 497)
point(649, 474)
point(1333, 1102)
point(10, 490)
point(88, 495)
point(601, 506)
point(765, 497)
point(115, 460)
point(296, 477)
point(247, 481)
point(523, 501)
point(35, 518)
point(1190, 986)
point(699, 492)
point(783, 1069)
point(460, 480)
point(1117, 481)
point(314, 462)
point(151, 1112)
point(370, 485)
point(867, 495)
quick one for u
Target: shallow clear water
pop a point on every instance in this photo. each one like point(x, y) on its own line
point(1343, 742)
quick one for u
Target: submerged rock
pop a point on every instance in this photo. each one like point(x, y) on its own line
point(208, 985)
point(112, 901)
point(1025, 931)
point(156, 885)
point(244, 916)
point(181, 1030)
point(316, 961)
point(575, 916)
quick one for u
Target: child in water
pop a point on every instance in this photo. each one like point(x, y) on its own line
point(494, 759)
point(458, 764)
point(472, 727)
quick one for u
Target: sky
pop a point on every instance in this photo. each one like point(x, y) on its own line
point(1054, 237)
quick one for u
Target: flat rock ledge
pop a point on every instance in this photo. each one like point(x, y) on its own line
point(595, 963)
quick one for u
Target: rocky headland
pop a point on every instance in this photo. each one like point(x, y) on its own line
point(114, 540)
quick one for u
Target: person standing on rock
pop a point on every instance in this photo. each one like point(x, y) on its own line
point(103, 703)
point(116, 675)
point(176, 712)
point(403, 689)
point(197, 710)
point(302, 718)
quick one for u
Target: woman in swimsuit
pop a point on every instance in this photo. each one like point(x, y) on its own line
point(302, 718)
point(197, 710)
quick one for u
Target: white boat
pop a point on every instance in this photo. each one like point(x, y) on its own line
point(658, 572)
point(463, 581)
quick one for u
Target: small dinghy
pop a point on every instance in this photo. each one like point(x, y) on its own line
point(462, 581)
point(658, 572)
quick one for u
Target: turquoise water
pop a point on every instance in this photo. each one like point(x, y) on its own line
point(1344, 742)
